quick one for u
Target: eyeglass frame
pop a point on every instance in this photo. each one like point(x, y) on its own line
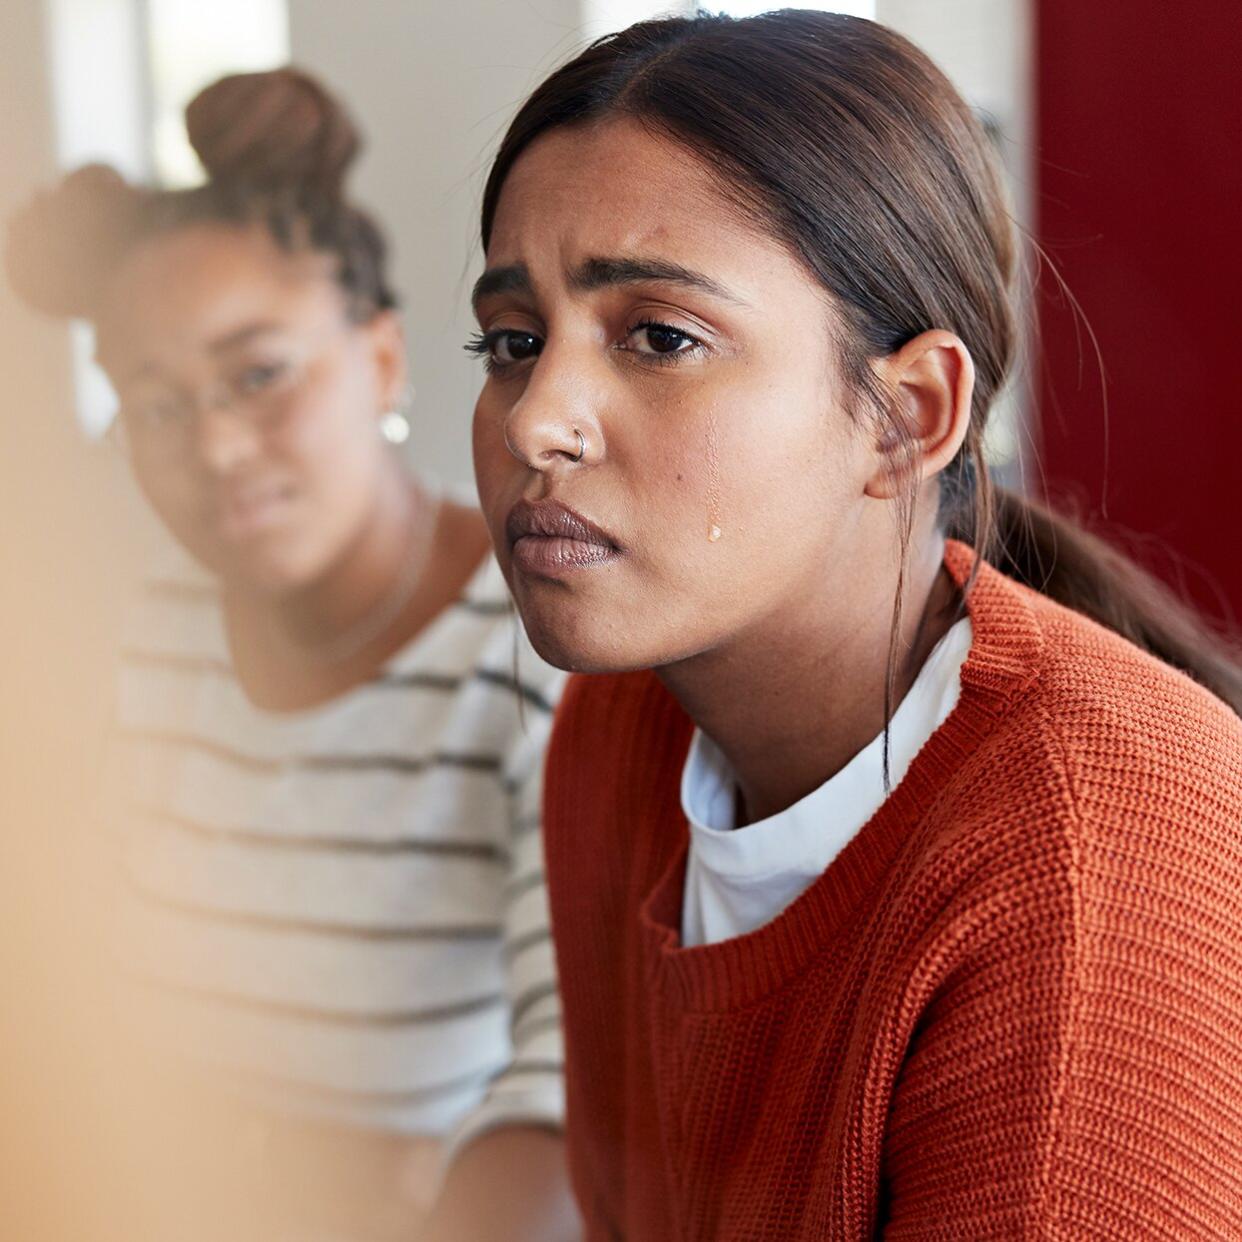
point(193, 405)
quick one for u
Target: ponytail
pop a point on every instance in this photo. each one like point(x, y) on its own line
point(1057, 556)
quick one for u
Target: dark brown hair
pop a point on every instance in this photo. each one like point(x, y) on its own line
point(276, 147)
point(843, 140)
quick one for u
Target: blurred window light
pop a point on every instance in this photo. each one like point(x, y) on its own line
point(190, 44)
point(98, 83)
point(99, 108)
point(122, 73)
point(749, 8)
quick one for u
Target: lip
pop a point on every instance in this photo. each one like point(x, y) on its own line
point(247, 510)
point(549, 539)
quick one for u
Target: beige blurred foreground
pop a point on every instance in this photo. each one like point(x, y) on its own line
point(92, 1147)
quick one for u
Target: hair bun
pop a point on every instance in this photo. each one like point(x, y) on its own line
point(63, 245)
point(279, 130)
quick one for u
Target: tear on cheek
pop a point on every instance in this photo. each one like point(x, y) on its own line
point(714, 530)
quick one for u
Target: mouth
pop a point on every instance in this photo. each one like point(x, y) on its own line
point(549, 540)
point(247, 510)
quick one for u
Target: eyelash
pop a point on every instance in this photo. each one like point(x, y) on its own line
point(673, 358)
point(481, 345)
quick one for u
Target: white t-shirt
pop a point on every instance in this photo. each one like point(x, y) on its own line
point(738, 879)
point(341, 911)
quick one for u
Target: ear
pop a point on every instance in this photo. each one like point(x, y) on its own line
point(932, 380)
point(387, 344)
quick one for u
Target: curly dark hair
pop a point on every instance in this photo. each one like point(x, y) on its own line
point(276, 147)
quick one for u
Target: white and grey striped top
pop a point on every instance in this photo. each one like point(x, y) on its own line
point(345, 905)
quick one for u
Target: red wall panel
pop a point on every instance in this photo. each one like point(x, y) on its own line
point(1139, 205)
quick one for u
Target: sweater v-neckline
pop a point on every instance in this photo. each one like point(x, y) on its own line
point(731, 974)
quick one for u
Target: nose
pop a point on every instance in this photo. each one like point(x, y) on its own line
point(554, 423)
point(225, 440)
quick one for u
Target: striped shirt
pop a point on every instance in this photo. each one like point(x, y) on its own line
point(342, 909)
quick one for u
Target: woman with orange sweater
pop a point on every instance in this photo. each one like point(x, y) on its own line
point(895, 857)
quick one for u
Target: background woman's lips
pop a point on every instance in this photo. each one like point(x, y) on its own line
point(549, 539)
point(248, 511)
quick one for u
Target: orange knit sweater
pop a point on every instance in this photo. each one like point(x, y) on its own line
point(1011, 1008)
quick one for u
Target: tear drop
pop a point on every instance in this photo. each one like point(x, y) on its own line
point(713, 534)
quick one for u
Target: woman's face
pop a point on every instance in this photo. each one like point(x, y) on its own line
point(249, 400)
point(722, 477)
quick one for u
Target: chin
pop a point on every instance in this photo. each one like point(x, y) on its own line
point(567, 636)
point(273, 580)
point(571, 635)
point(576, 657)
point(263, 568)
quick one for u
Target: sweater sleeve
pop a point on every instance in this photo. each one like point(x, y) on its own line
point(1075, 1069)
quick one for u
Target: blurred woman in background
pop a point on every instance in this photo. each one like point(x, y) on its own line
point(895, 863)
point(330, 744)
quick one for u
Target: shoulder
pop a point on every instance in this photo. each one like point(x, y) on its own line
point(588, 694)
point(1085, 816)
point(1113, 712)
point(619, 741)
point(1079, 759)
point(1133, 732)
point(617, 711)
point(1131, 885)
point(1103, 785)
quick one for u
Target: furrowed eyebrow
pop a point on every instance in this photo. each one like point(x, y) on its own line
point(220, 345)
point(231, 340)
point(602, 272)
point(512, 279)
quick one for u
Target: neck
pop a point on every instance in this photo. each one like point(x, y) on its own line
point(362, 578)
point(792, 701)
point(296, 652)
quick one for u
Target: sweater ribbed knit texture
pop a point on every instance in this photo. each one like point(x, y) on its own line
point(1010, 1008)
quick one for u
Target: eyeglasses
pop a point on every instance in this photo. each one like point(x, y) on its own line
point(260, 392)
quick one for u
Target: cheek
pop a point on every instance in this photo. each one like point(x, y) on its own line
point(483, 434)
point(753, 494)
point(727, 476)
point(182, 504)
point(690, 491)
point(496, 470)
point(331, 442)
point(179, 499)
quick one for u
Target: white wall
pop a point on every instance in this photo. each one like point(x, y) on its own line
point(601, 17)
point(433, 85)
point(986, 48)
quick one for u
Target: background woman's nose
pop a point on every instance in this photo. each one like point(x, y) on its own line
point(225, 440)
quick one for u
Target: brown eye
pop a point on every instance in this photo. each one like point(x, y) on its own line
point(510, 347)
point(257, 378)
point(661, 338)
point(156, 412)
